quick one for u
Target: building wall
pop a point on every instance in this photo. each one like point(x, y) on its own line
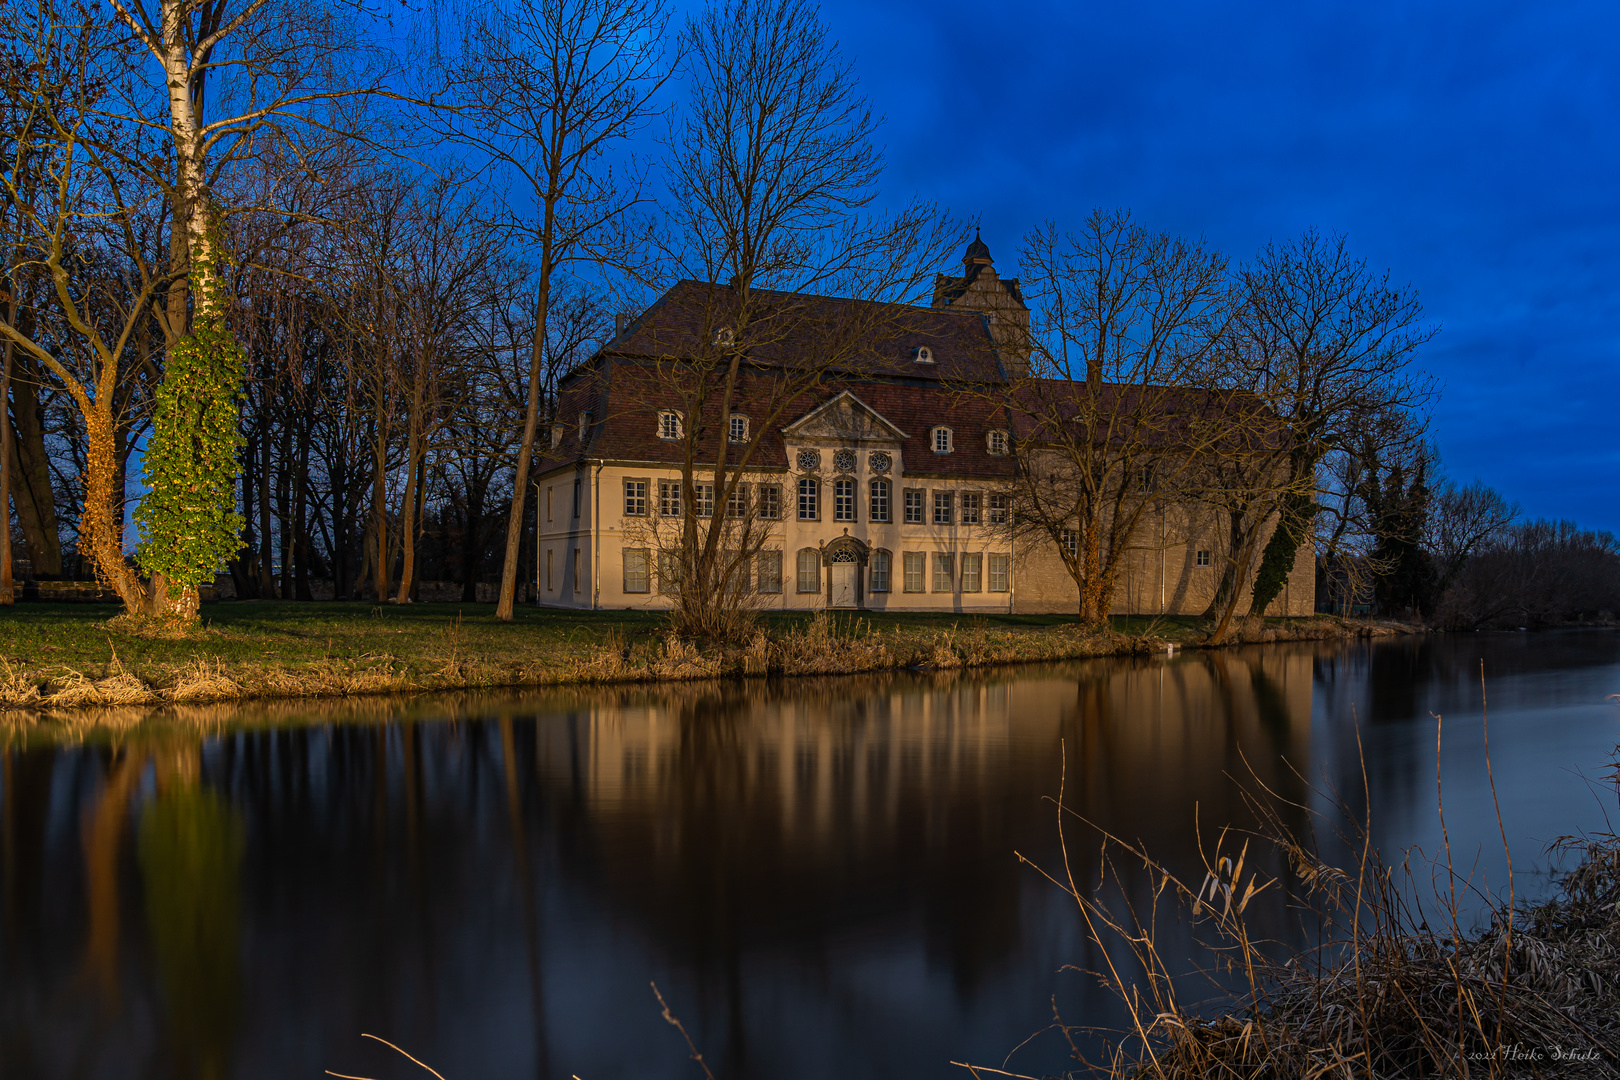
point(1162, 576)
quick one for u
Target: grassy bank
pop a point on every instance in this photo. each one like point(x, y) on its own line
point(56, 656)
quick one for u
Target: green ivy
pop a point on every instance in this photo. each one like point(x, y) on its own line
point(187, 519)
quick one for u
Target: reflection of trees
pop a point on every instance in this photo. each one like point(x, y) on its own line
point(191, 844)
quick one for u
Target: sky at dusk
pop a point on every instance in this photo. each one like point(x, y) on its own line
point(1470, 149)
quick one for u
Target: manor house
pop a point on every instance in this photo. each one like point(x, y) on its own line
point(886, 486)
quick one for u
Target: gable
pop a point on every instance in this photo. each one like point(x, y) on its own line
point(845, 418)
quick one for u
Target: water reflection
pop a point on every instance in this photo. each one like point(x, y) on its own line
point(819, 874)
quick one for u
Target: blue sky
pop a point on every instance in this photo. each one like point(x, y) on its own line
point(1470, 149)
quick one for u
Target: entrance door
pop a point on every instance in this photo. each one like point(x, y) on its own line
point(843, 584)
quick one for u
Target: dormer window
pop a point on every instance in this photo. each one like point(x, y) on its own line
point(996, 443)
point(922, 354)
point(584, 424)
point(556, 435)
point(669, 424)
point(738, 428)
point(725, 336)
point(942, 440)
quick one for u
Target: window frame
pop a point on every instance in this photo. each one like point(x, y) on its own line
point(844, 499)
point(976, 501)
point(999, 515)
point(703, 499)
point(731, 428)
point(669, 498)
point(644, 484)
point(810, 557)
point(772, 558)
point(664, 417)
point(737, 503)
point(1203, 558)
point(880, 571)
point(974, 559)
point(944, 508)
point(669, 573)
point(645, 573)
point(997, 442)
point(878, 512)
point(946, 559)
point(1005, 571)
point(915, 499)
point(809, 489)
point(1069, 541)
point(934, 439)
point(768, 502)
point(914, 561)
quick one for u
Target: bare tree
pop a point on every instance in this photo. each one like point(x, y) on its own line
point(1115, 415)
point(547, 88)
point(771, 171)
point(1328, 343)
point(1461, 522)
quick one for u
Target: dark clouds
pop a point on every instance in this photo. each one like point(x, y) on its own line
point(1469, 148)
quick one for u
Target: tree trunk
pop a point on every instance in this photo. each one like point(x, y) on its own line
point(7, 592)
point(31, 476)
point(531, 421)
point(98, 531)
point(267, 580)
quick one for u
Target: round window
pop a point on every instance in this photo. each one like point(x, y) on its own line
point(878, 461)
point(809, 460)
point(844, 461)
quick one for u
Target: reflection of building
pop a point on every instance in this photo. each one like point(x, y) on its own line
point(887, 485)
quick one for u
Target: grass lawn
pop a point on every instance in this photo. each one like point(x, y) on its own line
point(72, 654)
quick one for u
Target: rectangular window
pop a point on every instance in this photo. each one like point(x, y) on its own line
point(916, 566)
point(635, 498)
point(549, 490)
point(998, 443)
point(942, 507)
point(577, 582)
point(1202, 558)
point(1070, 539)
point(880, 571)
point(809, 499)
point(736, 573)
point(669, 425)
point(770, 571)
point(669, 573)
point(737, 502)
point(669, 498)
point(880, 500)
point(944, 571)
point(739, 428)
point(549, 585)
point(972, 566)
point(914, 507)
point(1000, 573)
point(809, 571)
point(635, 570)
point(704, 497)
point(576, 498)
point(844, 500)
point(770, 502)
point(970, 507)
point(1000, 509)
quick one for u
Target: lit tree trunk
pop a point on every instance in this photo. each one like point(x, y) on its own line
point(520, 479)
point(7, 593)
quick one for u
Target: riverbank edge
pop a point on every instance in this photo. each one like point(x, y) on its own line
point(824, 646)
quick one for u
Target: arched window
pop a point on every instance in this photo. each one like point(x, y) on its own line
point(880, 500)
point(725, 336)
point(809, 570)
point(942, 440)
point(738, 430)
point(881, 566)
point(809, 499)
point(843, 500)
point(922, 354)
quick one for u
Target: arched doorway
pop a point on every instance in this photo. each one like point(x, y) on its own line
point(845, 560)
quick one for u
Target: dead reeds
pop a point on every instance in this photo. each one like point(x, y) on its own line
point(1394, 985)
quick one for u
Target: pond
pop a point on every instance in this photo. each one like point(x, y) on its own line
point(822, 877)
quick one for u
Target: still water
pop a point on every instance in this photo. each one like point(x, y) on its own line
point(819, 875)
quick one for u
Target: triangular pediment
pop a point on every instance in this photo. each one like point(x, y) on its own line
point(846, 418)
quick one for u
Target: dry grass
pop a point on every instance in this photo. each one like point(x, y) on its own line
point(1383, 995)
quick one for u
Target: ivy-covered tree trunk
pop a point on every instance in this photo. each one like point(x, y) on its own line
point(188, 521)
point(1293, 523)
